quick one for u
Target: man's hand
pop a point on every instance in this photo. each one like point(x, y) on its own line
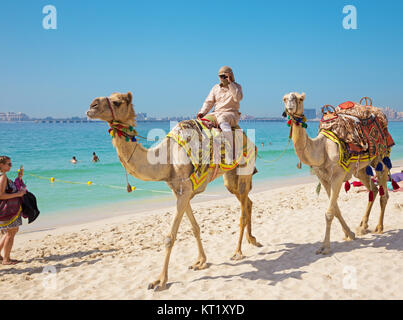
point(22, 192)
point(229, 77)
point(200, 115)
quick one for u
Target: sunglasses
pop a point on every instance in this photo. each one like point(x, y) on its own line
point(223, 76)
point(9, 164)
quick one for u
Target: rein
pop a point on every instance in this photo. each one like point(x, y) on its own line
point(298, 120)
point(122, 130)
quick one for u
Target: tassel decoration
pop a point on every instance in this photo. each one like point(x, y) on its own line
point(371, 196)
point(369, 171)
point(379, 167)
point(381, 191)
point(395, 185)
point(387, 162)
point(129, 188)
point(347, 186)
point(318, 187)
point(289, 123)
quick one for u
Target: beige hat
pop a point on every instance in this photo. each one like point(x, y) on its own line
point(226, 69)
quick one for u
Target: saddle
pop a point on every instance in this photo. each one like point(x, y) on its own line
point(200, 144)
point(363, 128)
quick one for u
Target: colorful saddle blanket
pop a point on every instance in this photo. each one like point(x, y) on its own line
point(363, 129)
point(206, 149)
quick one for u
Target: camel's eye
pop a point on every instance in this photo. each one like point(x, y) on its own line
point(117, 103)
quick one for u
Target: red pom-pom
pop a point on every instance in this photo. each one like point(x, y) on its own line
point(347, 186)
point(371, 196)
point(395, 185)
point(381, 191)
point(119, 133)
point(289, 122)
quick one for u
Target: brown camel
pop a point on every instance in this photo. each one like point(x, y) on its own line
point(322, 155)
point(175, 172)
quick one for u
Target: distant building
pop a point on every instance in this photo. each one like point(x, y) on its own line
point(12, 116)
point(246, 117)
point(141, 116)
point(390, 113)
point(310, 113)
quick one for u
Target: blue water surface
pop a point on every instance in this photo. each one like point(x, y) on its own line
point(45, 150)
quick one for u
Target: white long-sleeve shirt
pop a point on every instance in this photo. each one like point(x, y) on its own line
point(226, 103)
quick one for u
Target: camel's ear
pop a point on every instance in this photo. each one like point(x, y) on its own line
point(284, 99)
point(129, 97)
point(302, 98)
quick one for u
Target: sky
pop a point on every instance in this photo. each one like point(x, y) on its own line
point(167, 53)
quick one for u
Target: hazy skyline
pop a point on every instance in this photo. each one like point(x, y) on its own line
point(168, 54)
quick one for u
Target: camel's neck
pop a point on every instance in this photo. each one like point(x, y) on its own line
point(310, 151)
point(141, 162)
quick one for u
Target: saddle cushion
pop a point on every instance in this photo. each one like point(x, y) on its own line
point(362, 128)
point(346, 105)
point(206, 151)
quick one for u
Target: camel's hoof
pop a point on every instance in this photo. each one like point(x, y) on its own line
point(362, 231)
point(199, 265)
point(323, 250)
point(253, 242)
point(237, 256)
point(157, 285)
point(379, 230)
point(350, 237)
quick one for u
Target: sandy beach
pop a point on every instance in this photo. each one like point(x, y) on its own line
point(116, 258)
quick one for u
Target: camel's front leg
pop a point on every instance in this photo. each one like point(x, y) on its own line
point(244, 219)
point(201, 259)
point(181, 205)
point(331, 212)
point(251, 239)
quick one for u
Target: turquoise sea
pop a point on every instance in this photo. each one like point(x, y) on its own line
point(45, 150)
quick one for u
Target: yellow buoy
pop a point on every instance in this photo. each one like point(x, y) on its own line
point(52, 179)
point(133, 188)
point(89, 183)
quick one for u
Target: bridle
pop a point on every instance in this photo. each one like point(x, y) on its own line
point(110, 108)
point(121, 129)
point(297, 119)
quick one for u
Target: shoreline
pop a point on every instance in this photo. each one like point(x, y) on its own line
point(71, 218)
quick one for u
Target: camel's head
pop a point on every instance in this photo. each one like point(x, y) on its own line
point(294, 103)
point(118, 107)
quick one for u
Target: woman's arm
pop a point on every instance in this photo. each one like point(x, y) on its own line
point(3, 194)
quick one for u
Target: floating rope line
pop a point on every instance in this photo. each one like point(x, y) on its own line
point(281, 155)
point(90, 183)
point(93, 184)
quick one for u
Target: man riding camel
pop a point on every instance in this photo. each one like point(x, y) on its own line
point(225, 98)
